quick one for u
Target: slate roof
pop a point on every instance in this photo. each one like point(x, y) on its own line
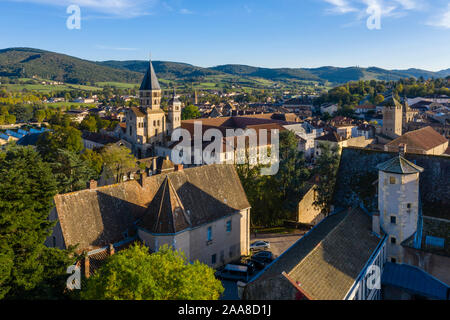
point(422, 139)
point(326, 261)
point(358, 169)
point(97, 217)
point(414, 280)
point(166, 214)
point(399, 165)
point(150, 81)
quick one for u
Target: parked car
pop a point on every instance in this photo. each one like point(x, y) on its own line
point(260, 245)
point(262, 259)
point(234, 272)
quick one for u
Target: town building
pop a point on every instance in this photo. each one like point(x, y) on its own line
point(422, 141)
point(147, 125)
point(183, 208)
point(388, 242)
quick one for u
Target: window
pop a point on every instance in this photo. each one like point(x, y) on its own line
point(229, 226)
point(392, 180)
point(213, 259)
point(393, 240)
point(209, 233)
point(393, 219)
point(408, 205)
point(393, 260)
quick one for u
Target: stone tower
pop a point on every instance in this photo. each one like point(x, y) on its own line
point(150, 91)
point(174, 114)
point(398, 202)
point(392, 118)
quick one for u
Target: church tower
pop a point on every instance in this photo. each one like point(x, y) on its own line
point(174, 114)
point(398, 202)
point(150, 91)
point(392, 118)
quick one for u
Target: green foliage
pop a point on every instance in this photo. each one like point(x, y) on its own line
point(67, 138)
point(39, 115)
point(95, 161)
point(326, 169)
point(27, 189)
point(117, 160)
point(275, 198)
point(135, 274)
point(89, 124)
point(190, 112)
point(71, 171)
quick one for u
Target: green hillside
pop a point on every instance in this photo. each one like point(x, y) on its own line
point(27, 62)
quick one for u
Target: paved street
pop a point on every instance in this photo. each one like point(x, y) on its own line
point(278, 242)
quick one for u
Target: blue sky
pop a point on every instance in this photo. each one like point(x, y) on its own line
point(268, 33)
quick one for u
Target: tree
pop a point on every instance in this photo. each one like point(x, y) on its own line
point(379, 98)
point(135, 274)
point(50, 142)
point(326, 168)
point(71, 171)
point(89, 124)
point(95, 161)
point(10, 119)
point(27, 189)
point(117, 160)
point(190, 112)
point(39, 115)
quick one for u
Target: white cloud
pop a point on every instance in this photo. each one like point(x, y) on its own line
point(341, 6)
point(387, 8)
point(186, 11)
point(119, 8)
point(443, 20)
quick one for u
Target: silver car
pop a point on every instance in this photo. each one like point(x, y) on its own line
point(260, 245)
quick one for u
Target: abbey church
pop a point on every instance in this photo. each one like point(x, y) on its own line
point(148, 126)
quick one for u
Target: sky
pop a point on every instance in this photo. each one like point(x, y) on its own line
point(391, 34)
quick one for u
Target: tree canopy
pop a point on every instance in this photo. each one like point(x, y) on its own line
point(135, 274)
point(28, 269)
point(190, 112)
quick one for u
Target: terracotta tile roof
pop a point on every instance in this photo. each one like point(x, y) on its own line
point(422, 139)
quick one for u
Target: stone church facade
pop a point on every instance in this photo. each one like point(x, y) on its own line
point(148, 126)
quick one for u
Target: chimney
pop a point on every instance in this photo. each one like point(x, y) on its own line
point(87, 268)
point(376, 222)
point(92, 184)
point(142, 179)
point(154, 165)
point(401, 149)
point(178, 167)
point(167, 157)
point(111, 249)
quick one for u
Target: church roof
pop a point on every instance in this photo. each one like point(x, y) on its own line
point(399, 165)
point(150, 81)
point(165, 214)
point(422, 139)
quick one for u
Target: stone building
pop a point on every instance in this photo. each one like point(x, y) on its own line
point(184, 208)
point(147, 125)
point(396, 234)
point(392, 118)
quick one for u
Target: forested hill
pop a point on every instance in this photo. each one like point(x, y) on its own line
point(28, 62)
